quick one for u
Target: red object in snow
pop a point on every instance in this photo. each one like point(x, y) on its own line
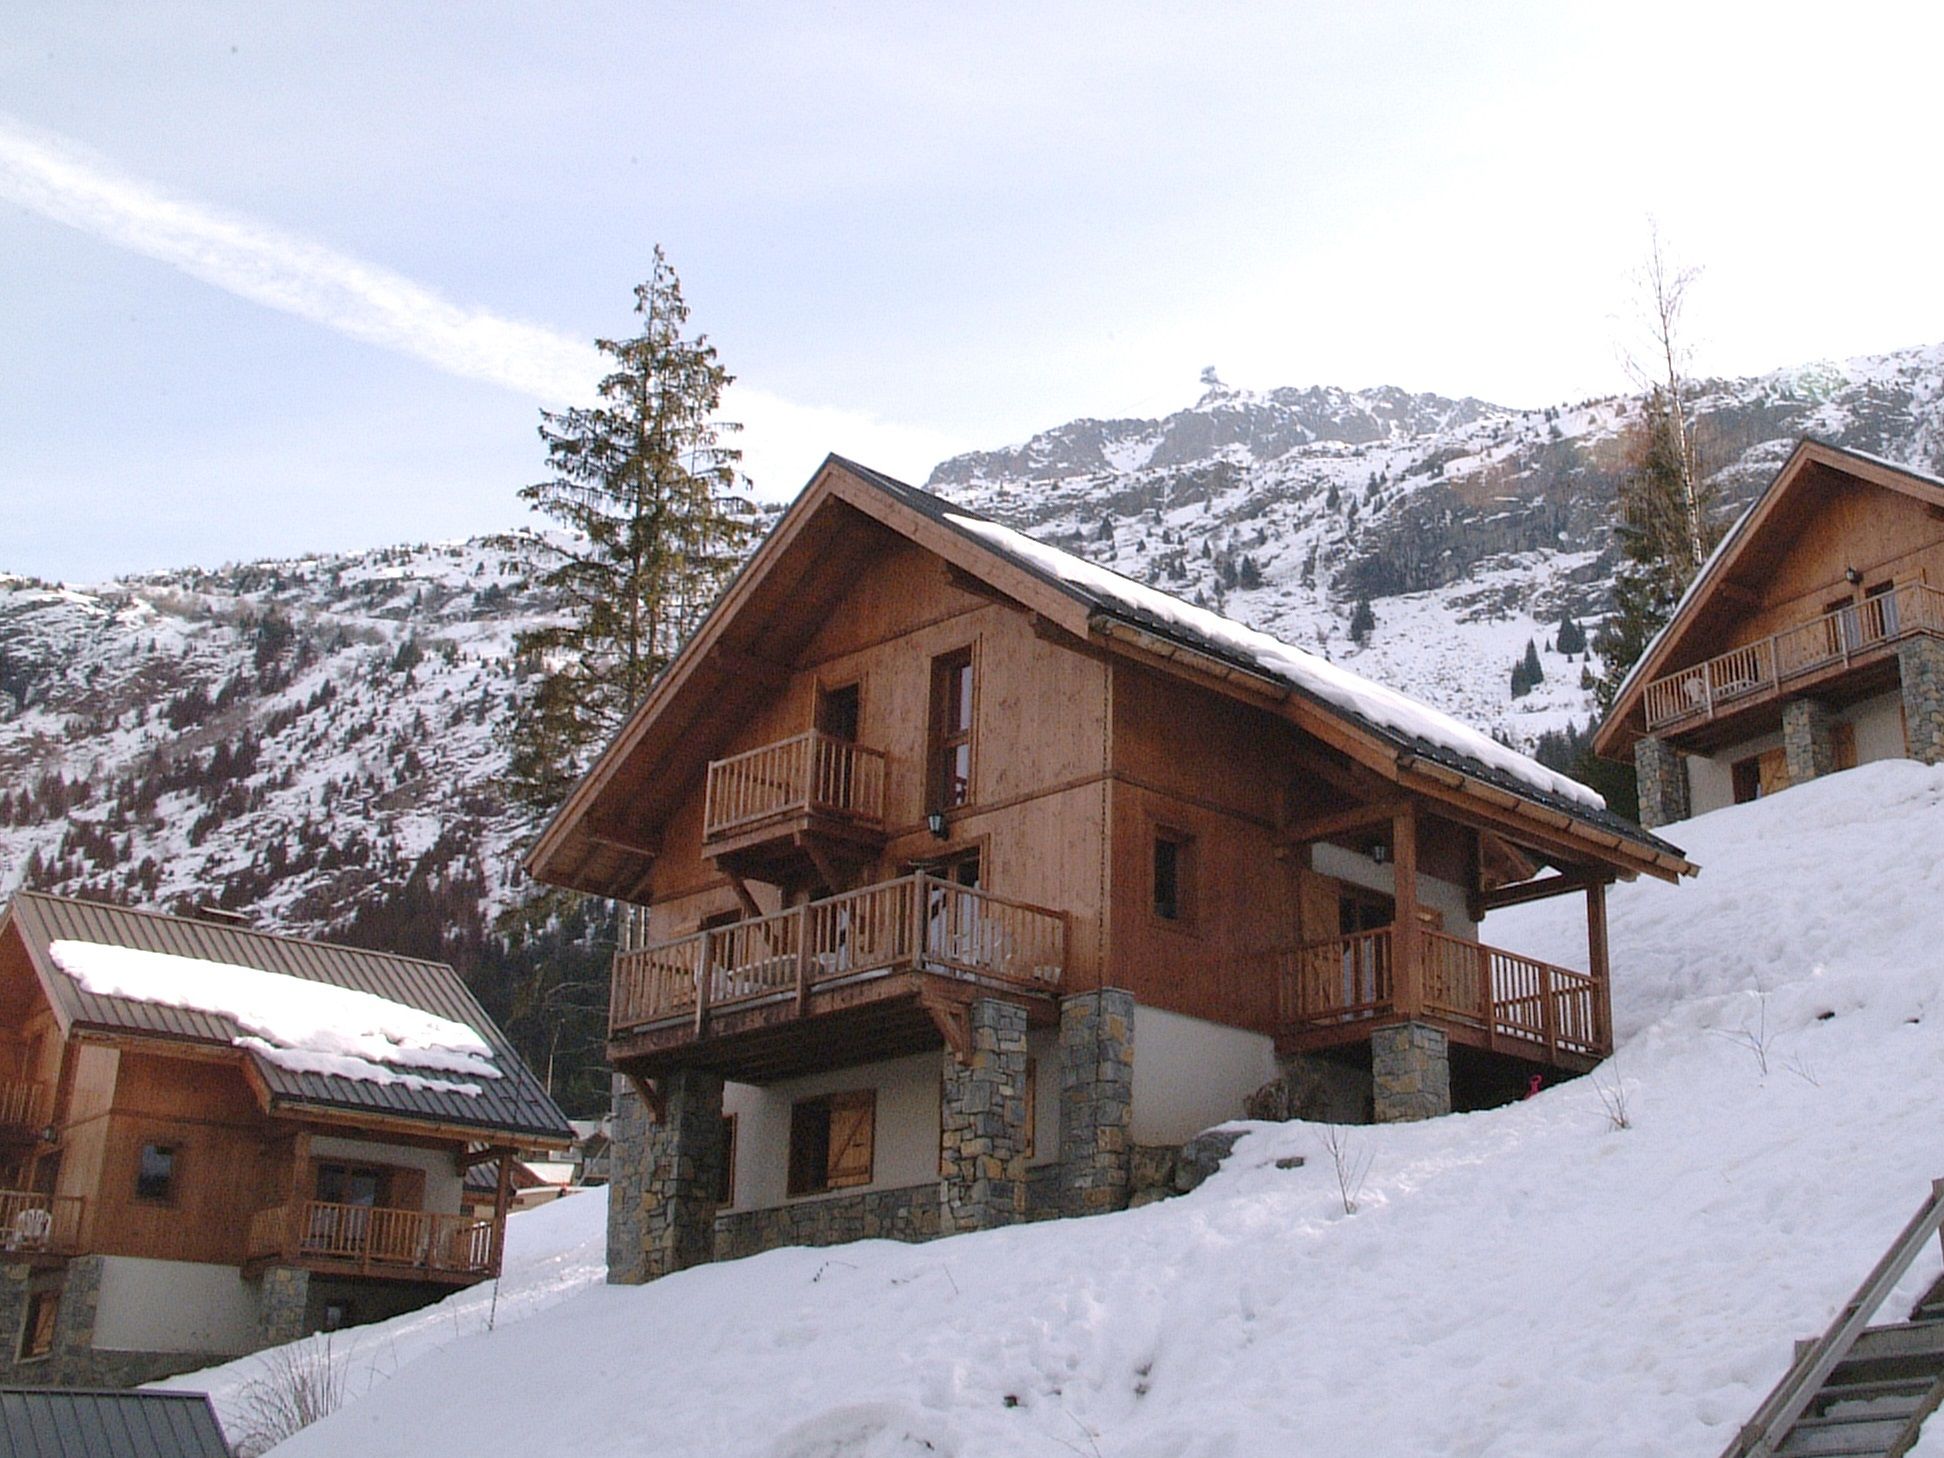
point(1532, 1087)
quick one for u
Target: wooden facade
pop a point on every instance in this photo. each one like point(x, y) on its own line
point(1123, 808)
point(1814, 599)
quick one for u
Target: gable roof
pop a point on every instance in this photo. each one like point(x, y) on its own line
point(1794, 487)
point(513, 1103)
point(1090, 603)
point(54, 1423)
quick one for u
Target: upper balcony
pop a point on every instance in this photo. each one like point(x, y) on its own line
point(1338, 991)
point(33, 1224)
point(24, 1109)
point(1860, 639)
point(871, 973)
point(812, 798)
point(364, 1240)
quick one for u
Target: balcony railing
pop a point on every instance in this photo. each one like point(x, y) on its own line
point(23, 1105)
point(381, 1241)
point(812, 771)
point(1760, 669)
point(35, 1224)
point(918, 923)
point(1517, 1003)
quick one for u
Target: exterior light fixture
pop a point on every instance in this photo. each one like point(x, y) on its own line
point(1380, 853)
point(1852, 576)
point(935, 822)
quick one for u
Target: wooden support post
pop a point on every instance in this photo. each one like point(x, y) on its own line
point(744, 898)
point(704, 975)
point(1596, 963)
point(918, 947)
point(299, 1179)
point(1407, 995)
point(502, 1197)
point(804, 965)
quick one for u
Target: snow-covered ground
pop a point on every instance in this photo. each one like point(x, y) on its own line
point(1529, 1281)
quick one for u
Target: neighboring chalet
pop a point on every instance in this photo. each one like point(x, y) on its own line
point(213, 1139)
point(1809, 643)
point(923, 785)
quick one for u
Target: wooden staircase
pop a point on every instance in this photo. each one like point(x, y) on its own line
point(1861, 1391)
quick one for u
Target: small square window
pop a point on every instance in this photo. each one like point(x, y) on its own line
point(43, 1313)
point(155, 1173)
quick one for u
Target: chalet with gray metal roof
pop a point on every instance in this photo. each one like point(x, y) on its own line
point(213, 1138)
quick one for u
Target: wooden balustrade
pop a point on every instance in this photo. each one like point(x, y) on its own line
point(809, 771)
point(23, 1104)
point(1762, 667)
point(1508, 999)
point(917, 923)
point(372, 1238)
point(32, 1223)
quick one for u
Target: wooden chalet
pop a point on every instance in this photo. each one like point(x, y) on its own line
point(177, 1188)
point(923, 786)
point(1810, 642)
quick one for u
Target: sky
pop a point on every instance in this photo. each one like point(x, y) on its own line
point(277, 279)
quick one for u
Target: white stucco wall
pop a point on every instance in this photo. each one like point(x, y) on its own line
point(174, 1306)
point(1361, 870)
point(443, 1184)
point(1189, 1074)
point(905, 1135)
point(1879, 735)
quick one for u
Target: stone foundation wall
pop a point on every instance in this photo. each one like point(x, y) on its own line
point(1920, 664)
point(1806, 740)
point(283, 1302)
point(1321, 1090)
point(982, 1122)
point(681, 1171)
point(1410, 1070)
point(906, 1214)
point(627, 1155)
point(1663, 782)
point(1096, 1100)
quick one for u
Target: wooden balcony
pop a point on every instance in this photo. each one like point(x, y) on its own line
point(1337, 991)
point(812, 799)
point(24, 1107)
point(874, 970)
point(1838, 644)
point(362, 1240)
point(39, 1225)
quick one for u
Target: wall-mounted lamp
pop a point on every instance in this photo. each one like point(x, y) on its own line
point(1380, 853)
point(1852, 576)
point(50, 1135)
point(935, 823)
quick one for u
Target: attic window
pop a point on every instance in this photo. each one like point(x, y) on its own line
point(155, 1174)
point(1174, 875)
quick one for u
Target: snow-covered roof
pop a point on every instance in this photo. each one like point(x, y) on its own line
point(325, 1025)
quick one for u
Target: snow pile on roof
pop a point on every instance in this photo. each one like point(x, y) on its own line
point(1334, 685)
point(304, 1026)
point(1526, 1282)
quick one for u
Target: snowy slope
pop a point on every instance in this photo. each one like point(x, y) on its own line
point(1530, 1281)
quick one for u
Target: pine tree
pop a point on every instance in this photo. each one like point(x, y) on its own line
point(647, 492)
point(1571, 636)
point(1362, 622)
point(1534, 674)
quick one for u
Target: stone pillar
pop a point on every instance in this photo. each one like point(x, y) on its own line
point(1662, 775)
point(1806, 740)
point(283, 1295)
point(627, 1159)
point(681, 1170)
point(1920, 664)
point(1096, 1101)
point(982, 1123)
point(1410, 1070)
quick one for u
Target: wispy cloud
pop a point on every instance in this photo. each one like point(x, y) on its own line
point(60, 180)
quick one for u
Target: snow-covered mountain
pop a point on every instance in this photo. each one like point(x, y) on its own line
point(318, 739)
point(1617, 1267)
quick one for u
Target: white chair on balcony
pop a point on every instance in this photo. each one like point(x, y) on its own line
point(30, 1229)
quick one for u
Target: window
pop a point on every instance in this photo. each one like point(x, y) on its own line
point(37, 1335)
point(1174, 875)
point(1880, 610)
point(1759, 775)
point(837, 710)
point(726, 1177)
point(831, 1141)
point(155, 1173)
point(337, 1315)
point(351, 1184)
point(951, 731)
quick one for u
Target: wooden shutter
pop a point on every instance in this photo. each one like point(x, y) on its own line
point(1772, 771)
point(1842, 743)
point(404, 1187)
point(853, 1120)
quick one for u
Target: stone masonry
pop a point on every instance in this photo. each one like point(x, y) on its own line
point(910, 1213)
point(1410, 1067)
point(1806, 739)
point(681, 1171)
point(982, 1123)
point(1662, 776)
point(1096, 1100)
point(283, 1292)
point(627, 1154)
point(1920, 663)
